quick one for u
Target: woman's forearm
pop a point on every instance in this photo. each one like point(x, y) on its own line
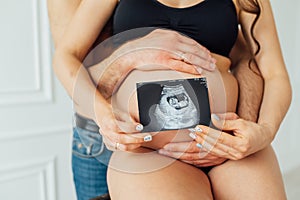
point(276, 101)
point(77, 82)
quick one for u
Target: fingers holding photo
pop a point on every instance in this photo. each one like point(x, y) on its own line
point(216, 142)
point(233, 138)
point(121, 131)
point(116, 146)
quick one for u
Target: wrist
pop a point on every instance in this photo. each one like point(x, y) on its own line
point(123, 58)
point(117, 67)
point(126, 62)
point(269, 131)
point(101, 106)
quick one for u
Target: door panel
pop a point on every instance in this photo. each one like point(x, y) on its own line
point(35, 112)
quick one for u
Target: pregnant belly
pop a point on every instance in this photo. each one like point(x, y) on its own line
point(222, 93)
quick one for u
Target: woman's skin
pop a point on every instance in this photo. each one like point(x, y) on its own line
point(145, 175)
point(60, 14)
point(126, 169)
point(223, 94)
point(87, 100)
point(222, 88)
point(253, 137)
point(253, 161)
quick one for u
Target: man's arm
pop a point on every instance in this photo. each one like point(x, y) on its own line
point(159, 49)
point(249, 79)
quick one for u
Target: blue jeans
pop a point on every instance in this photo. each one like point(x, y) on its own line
point(90, 158)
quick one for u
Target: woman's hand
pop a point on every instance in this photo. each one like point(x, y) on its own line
point(119, 130)
point(188, 152)
point(246, 138)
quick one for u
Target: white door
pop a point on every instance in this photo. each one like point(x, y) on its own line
point(35, 112)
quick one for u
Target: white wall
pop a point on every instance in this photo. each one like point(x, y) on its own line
point(286, 144)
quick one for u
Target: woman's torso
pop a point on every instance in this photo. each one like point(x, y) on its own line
point(222, 95)
point(212, 23)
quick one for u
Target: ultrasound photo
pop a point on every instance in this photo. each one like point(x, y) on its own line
point(173, 104)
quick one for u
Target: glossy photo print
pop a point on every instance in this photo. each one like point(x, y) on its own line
point(173, 104)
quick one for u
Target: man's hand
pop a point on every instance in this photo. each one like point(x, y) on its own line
point(170, 49)
point(160, 49)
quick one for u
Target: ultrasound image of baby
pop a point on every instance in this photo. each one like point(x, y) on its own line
point(173, 104)
point(175, 109)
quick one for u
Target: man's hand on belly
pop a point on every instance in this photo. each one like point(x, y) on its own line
point(160, 49)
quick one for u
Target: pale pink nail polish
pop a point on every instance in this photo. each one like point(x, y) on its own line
point(192, 135)
point(212, 66)
point(139, 127)
point(198, 129)
point(199, 70)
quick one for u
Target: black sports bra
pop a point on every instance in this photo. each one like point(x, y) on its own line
point(212, 23)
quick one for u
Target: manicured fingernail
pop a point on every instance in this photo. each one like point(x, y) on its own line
point(192, 130)
point(216, 117)
point(212, 65)
point(161, 151)
point(192, 135)
point(199, 70)
point(198, 129)
point(199, 145)
point(148, 138)
point(139, 127)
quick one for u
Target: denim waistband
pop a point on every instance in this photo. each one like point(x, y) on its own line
point(85, 123)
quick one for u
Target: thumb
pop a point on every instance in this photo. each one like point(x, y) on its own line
point(130, 127)
point(227, 122)
point(226, 116)
point(127, 123)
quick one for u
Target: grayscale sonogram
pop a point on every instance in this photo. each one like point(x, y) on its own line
point(173, 104)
